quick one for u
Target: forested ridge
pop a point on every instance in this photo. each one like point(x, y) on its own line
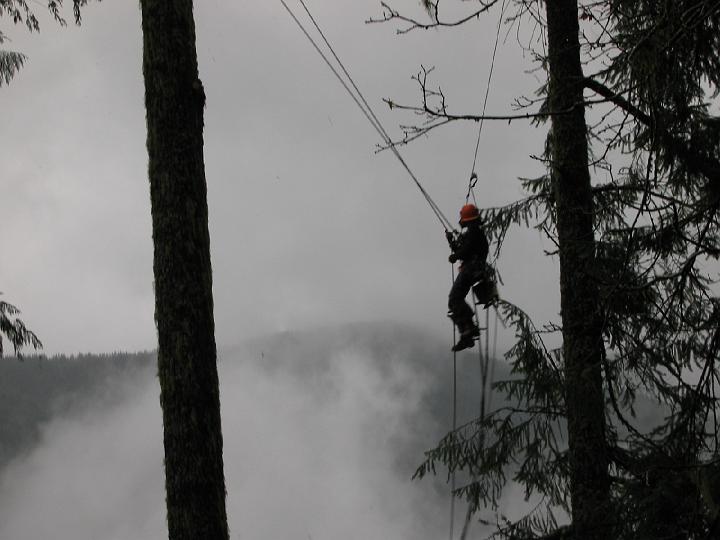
point(37, 389)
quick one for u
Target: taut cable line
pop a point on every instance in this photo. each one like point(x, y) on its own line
point(367, 111)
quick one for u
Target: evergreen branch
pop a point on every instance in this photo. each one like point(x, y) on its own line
point(617, 99)
point(629, 188)
point(694, 161)
point(10, 64)
point(528, 434)
point(498, 220)
point(563, 533)
point(15, 330)
point(20, 12)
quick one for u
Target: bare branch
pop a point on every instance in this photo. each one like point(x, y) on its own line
point(390, 14)
point(434, 110)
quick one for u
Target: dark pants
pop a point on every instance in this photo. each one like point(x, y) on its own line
point(460, 312)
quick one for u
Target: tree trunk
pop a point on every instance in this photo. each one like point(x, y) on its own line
point(174, 100)
point(582, 325)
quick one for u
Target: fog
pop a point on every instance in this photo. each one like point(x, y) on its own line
point(312, 450)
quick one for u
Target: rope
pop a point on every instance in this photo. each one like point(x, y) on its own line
point(483, 365)
point(381, 130)
point(383, 133)
point(367, 111)
point(332, 68)
point(359, 99)
point(487, 361)
point(473, 175)
point(454, 420)
point(454, 401)
point(494, 356)
point(485, 393)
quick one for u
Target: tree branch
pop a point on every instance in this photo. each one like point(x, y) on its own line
point(692, 160)
point(617, 99)
point(414, 24)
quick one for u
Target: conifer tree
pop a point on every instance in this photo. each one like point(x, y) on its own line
point(175, 101)
point(631, 200)
point(12, 327)
point(20, 12)
point(582, 349)
point(10, 63)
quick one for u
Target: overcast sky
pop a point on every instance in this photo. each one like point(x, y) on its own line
point(309, 226)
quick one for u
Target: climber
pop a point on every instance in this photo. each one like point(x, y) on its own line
point(471, 248)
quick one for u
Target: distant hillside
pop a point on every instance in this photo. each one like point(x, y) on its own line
point(308, 354)
point(36, 389)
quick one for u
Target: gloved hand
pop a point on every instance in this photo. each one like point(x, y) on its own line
point(453, 258)
point(450, 235)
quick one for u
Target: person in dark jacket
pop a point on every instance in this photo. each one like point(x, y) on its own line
point(471, 248)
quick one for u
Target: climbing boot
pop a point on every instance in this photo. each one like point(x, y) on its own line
point(466, 342)
point(467, 337)
point(473, 331)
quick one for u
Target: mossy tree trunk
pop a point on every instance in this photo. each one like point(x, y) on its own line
point(174, 101)
point(582, 325)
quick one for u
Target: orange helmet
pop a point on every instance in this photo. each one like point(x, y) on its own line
point(468, 213)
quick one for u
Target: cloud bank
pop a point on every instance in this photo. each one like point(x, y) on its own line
point(310, 452)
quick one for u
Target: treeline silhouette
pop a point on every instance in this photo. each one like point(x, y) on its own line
point(37, 388)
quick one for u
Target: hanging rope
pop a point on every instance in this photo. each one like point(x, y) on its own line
point(473, 175)
point(486, 367)
point(367, 111)
point(454, 420)
point(494, 357)
point(487, 371)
